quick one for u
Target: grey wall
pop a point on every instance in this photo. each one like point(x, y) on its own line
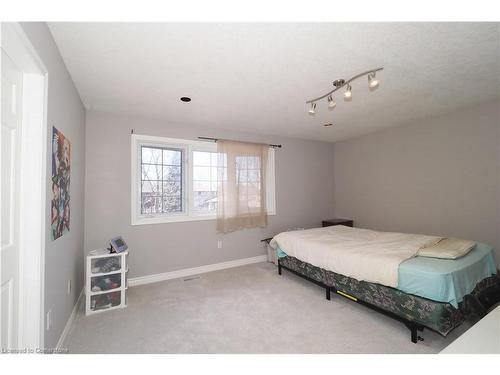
point(304, 185)
point(498, 195)
point(64, 256)
point(439, 176)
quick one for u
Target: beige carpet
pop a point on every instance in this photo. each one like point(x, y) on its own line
point(248, 309)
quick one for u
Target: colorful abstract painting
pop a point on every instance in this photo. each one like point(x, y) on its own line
point(61, 163)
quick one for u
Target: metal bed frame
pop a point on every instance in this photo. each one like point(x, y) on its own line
point(411, 325)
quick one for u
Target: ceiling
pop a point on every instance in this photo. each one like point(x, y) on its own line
point(257, 77)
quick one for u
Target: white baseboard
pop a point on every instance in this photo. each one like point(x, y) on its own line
point(70, 321)
point(194, 271)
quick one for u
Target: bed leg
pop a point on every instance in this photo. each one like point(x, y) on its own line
point(279, 268)
point(414, 328)
point(327, 293)
point(414, 335)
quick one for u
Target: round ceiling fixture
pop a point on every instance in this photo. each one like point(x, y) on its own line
point(185, 99)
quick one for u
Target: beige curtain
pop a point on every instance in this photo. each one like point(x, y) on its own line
point(241, 185)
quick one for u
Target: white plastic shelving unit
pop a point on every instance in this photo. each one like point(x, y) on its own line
point(106, 281)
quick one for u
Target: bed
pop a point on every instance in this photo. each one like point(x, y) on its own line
point(421, 292)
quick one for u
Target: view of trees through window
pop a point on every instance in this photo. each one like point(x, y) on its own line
point(248, 180)
point(207, 170)
point(179, 180)
point(161, 180)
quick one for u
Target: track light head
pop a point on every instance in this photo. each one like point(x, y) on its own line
point(373, 82)
point(331, 103)
point(348, 93)
point(312, 111)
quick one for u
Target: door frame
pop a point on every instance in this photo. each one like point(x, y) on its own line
point(33, 185)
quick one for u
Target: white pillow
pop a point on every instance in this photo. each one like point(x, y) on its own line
point(448, 248)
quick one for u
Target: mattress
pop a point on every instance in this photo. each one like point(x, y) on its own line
point(446, 280)
point(443, 280)
point(363, 254)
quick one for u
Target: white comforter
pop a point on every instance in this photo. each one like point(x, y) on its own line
point(359, 253)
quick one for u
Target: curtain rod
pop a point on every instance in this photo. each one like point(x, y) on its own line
point(216, 139)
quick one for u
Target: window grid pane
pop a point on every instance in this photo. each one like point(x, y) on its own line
point(249, 180)
point(205, 172)
point(161, 180)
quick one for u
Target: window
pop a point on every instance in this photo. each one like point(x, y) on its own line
point(176, 180)
point(161, 180)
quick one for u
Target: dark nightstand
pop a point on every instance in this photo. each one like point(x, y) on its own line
point(330, 222)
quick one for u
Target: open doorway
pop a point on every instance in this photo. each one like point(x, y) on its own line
point(23, 191)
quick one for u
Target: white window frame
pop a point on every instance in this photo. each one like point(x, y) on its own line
point(188, 146)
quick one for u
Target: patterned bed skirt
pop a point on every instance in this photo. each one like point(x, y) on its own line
point(438, 316)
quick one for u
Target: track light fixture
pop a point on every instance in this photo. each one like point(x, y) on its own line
point(312, 111)
point(373, 83)
point(331, 103)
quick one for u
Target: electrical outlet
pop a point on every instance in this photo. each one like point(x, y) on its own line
point(48, 322)
point(69, 286)
point(219, 244)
